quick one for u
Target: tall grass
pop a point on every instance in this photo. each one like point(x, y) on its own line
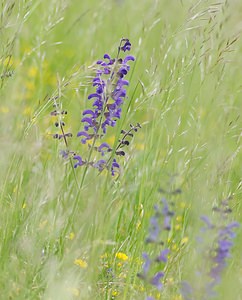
point(63, 240)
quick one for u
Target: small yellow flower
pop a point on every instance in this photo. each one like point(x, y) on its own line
point(71, 236)
point(184, 240)
point(178, 227)
point(28, 111)
point(119, 264)
point(81, 263)
point(179, 218)
point(174, 247)
point(24, 205)
point(114, 293)
point(141, 289)
point(122, 256)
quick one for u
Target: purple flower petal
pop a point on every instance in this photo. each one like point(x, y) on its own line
point(100, 165)
point(163, 256)
point(127, 58)
point(94, 95)
point(85, 134)
point(80, 162)
point(156, 280)
point(104, 147)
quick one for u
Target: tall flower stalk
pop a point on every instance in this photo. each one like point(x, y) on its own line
point(215, 255)
point(107, 99)
point(160, 223)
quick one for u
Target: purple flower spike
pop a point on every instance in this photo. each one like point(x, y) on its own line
point(215, 254)
point(154, 231)
point(110, 93)
point(147, 264)
point(161, 210)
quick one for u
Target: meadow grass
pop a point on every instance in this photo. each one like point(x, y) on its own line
point(70, 234)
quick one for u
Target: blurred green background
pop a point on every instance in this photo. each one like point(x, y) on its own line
point(185, 90)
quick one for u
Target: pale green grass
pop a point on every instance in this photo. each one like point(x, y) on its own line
point(185, 90)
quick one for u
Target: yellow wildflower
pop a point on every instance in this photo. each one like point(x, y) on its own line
point(28, 111)
point(71, 236)
point(178, 227)
point(122, 256)
point(179, 218)
point(184, 240)
point(182, 204)
point(114, 293)
point(174, 247)
point(81, 263)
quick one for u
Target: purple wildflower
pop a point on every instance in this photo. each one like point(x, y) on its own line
point(156, 228)
point(107, 99)
point(126, 46)
point(222, 251)
point(163, 256)
point(146, 265)
point(156, 280)
point(100, 164)
point(80, 162)
point(215, 256)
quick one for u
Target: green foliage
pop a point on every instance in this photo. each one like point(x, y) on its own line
point(62, 237)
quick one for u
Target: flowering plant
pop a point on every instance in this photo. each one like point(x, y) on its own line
point(107, 100)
